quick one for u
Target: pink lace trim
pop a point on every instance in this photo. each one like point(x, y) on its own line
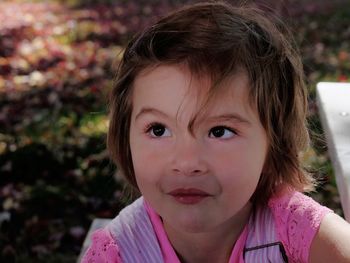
point(103, 249)
point(298, 218)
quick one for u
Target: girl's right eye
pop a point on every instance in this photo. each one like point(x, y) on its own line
point(158, 130)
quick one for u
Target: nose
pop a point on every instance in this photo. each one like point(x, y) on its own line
point(189, 158)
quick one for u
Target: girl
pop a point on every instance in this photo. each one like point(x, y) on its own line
point(207, 120)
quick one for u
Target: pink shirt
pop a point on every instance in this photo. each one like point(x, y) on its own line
point(297, 218)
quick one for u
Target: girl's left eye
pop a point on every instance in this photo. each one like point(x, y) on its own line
point(221, 132)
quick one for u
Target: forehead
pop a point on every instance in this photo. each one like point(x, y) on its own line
point(175, 87)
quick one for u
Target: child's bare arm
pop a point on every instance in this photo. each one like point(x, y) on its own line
point(332, 242)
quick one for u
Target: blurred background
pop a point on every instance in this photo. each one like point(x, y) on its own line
point(57, 62)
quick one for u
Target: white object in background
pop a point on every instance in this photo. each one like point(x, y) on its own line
point(334, 107)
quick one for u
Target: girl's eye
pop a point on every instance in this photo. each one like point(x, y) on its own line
point(221, 132)
point(158, 130)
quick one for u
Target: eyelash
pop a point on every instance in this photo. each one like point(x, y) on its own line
point(151, 125)
point(223, 127)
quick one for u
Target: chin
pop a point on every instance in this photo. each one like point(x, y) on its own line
point(194, 226)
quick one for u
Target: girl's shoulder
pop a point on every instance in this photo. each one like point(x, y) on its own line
point(297, 218)
point(331, 243)
point(129, 237)
point(291, 204)
point(103, 248)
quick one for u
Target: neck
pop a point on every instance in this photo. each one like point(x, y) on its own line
point(215, 245)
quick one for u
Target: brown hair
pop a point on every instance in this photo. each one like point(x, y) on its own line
point(218, 39)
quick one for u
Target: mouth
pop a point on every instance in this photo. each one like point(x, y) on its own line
point(189, 196)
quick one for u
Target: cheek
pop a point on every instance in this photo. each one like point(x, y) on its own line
point(239, 165)
point(147, 165)
point(238, 155)
point(146, 155)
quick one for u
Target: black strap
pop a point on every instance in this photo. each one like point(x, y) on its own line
point(281, 247)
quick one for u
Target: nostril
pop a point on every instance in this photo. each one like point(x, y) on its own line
point(188, 171)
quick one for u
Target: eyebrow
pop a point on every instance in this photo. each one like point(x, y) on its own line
point(230, 117)
point(224, 117)
point(149, 110)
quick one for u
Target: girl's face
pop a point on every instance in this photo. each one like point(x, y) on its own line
point(201, 180)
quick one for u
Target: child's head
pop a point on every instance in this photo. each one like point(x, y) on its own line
point(215, 42)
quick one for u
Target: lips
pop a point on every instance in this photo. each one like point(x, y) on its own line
point(189, 196)
point(188, 191)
